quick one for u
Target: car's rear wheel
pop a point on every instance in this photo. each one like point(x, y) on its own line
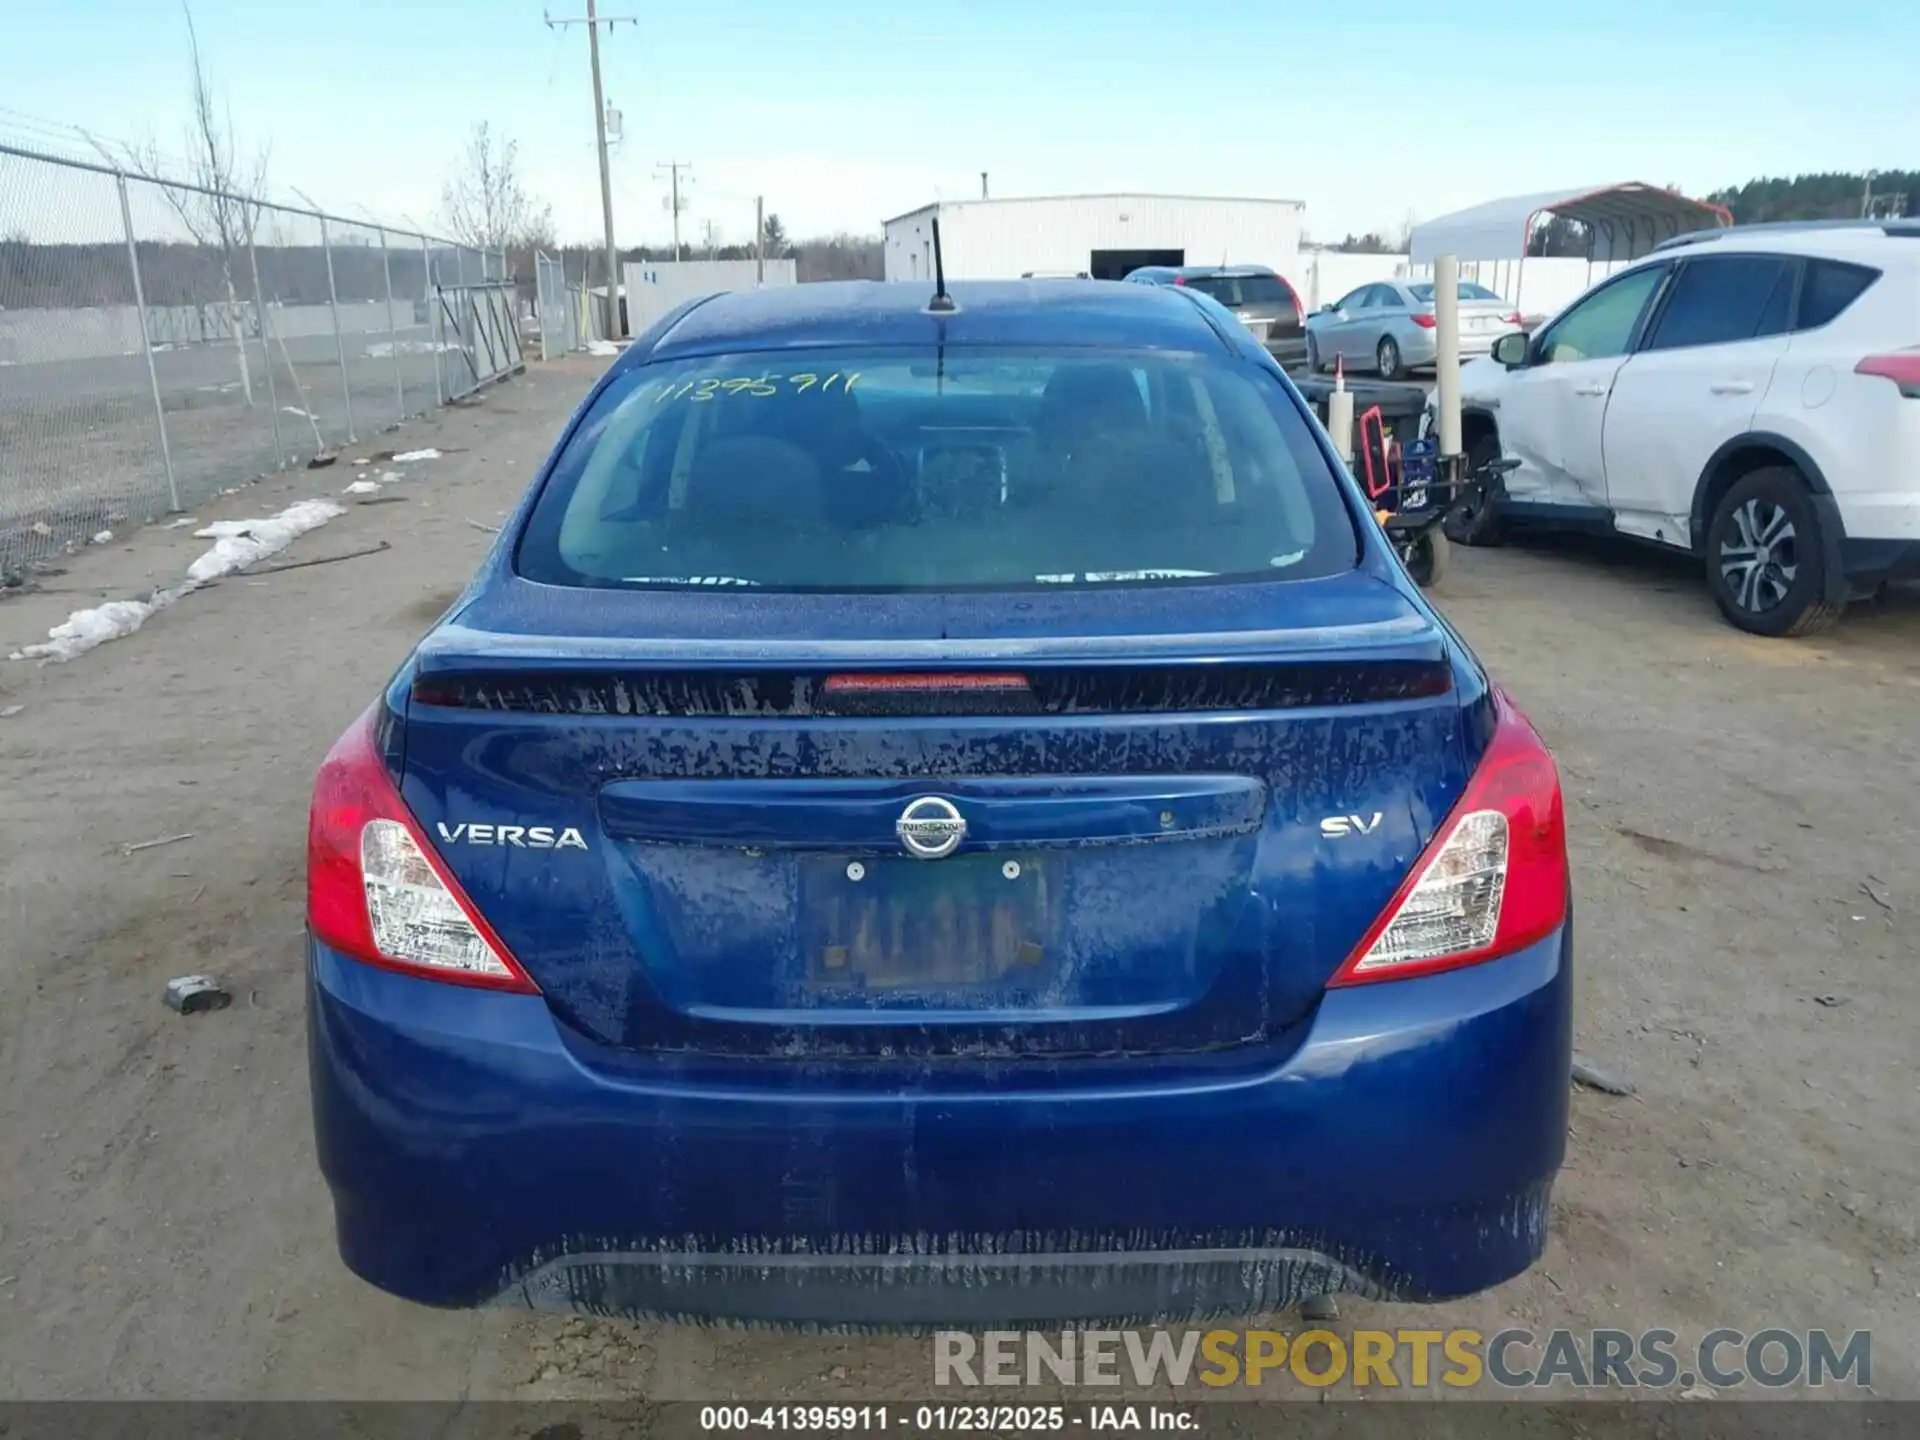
point(1765, 561)
point(1387, 356)
point(1475, 520)
point(1313, 355)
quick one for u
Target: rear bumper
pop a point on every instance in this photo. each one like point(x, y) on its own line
point(1887, 515)
point(1287, 349)
point(1405, 1148)
point(1422, 347)
point(1871, 563)
point(1873, 539)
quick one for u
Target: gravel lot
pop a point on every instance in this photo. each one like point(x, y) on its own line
point(1744, 842)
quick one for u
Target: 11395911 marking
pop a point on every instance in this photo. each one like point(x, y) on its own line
point(760, 386)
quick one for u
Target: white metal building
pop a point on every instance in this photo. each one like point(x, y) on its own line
point(653, 287)
point(1104, 236)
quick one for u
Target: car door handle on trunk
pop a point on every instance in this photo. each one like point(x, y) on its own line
point(1732, 387)
point(1589, 389)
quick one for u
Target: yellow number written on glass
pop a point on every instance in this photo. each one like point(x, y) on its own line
point(756, 385)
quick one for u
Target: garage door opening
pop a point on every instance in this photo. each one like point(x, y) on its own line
point(1118, 264)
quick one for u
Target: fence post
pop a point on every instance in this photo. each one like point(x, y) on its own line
point(433, 314)
point(339, 340)
point(393, 332)
point(146, 343)
point(266, 345)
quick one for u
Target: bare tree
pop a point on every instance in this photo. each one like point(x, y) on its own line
point(222, 212)
point(486, 206)
point(484, 202)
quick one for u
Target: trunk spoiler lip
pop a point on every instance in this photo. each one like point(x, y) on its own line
point(1412, 636)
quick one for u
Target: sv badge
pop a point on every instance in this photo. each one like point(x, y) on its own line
point(1338, 827)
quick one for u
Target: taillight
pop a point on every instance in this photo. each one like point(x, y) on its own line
point(1902, 367)
point(1493, 880)
point(1514, 319)
point(1425, 322)
point(375, 889)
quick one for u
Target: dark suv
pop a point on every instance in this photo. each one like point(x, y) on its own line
point(1261, 300)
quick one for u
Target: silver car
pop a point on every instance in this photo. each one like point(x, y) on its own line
point(1388, 326)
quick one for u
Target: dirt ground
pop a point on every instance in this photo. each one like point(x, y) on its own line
point(1744, 833)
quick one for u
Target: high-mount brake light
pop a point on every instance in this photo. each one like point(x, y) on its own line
point(896, 682)
point(375, 889)
point(1494, 878)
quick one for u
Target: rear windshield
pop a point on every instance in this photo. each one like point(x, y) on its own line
point(1467, 291)
point(842, 470)
point(1238, 290)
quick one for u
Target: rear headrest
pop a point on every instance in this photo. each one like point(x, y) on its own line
point(756, 479)
point(825, 423)
point(1084, 398)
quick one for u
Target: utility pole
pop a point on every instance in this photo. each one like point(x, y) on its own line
point(1866, 197)
point(759, 240)
point(673, 169)
point(593, 22)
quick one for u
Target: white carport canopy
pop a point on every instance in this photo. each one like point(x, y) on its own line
point(1623, 222)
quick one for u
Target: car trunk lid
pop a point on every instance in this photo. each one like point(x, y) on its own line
point(703, 842)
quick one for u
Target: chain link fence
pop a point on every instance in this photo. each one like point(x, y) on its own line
point(160, 343)
point(569, 318)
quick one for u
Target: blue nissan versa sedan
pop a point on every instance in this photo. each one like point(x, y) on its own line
point(940, 817)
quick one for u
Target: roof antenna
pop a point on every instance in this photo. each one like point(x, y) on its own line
point(942, 302)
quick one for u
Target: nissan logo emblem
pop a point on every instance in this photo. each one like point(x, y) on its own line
point(930, 828)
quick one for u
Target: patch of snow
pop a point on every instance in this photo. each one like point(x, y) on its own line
point(103, 537)
point(602, 348)
point(295, 410)
point(362, 487)
point(239, 543)
point(412, 455)
point(84, 629)
point(387, 477)
point(181, 523)
point(385, 349)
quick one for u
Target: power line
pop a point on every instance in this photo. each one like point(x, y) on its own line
point(593, 22)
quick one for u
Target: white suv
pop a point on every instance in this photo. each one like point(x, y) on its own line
point(1749, 395)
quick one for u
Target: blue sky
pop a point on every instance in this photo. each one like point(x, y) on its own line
point(843, 112)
